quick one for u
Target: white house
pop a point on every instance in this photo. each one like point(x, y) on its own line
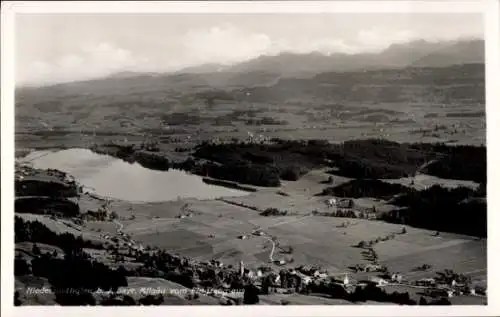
point(332, 202)
point(379, 281)
point(242, 268)
point(426, 282)
point(346, 280)
point(396, 278)
point(250, 274)
point(305, 279)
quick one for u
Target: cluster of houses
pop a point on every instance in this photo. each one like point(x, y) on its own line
point(294, 279)
point(344, 207)
point(435, 289)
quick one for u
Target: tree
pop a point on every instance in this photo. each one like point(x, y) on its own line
point(17, 301)
point(113, 215)
point(151, 300)
point(351, 203)
point(251, 295)
point(362, 244)
point(422, 301)
point(21, 267)
point(36, 250)
point(128, 301)
point(266, 283)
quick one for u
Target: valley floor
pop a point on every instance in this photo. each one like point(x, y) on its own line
point(206, 230)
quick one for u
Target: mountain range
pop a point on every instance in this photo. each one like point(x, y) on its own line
point(271, 70)
point(419, 53)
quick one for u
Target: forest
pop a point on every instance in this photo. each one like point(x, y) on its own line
point(265, 164)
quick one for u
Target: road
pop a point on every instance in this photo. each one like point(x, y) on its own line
point(272, 249)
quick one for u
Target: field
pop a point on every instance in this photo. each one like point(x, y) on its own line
point(404, 105)
point(214, 227)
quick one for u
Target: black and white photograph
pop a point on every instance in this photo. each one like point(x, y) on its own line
point(233, 158)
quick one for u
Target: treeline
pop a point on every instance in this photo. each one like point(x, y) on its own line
point(242, 172)
point(273, 212)
point(466, 164)
point(47, 206)
point(457, 210)
point(74, 277)
point(370, 293)
point(35, 231)
point(133, 154)
point(361, 294)
point(360, 159)
point(359, 188)
point(378, 158)
point(264, 121)
point(42, 188)
point(265, 164)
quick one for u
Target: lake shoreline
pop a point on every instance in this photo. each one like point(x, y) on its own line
point(114, 178)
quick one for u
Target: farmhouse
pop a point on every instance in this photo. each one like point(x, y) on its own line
point(280, 262)
point(346, 280)
point(319, 274)
point(250, 274)
point(332, 202)
point(378, 281)
point(397, 278)
point(258, 233)
point(304, 278)
point(371, 268)
point(426, 282)
point(439, 292)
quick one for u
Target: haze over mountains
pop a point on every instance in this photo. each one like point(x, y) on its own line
point(419, 53)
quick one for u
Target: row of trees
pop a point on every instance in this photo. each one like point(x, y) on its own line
point(47, 206)
point(42, 188)
point(452, 210)
point(361, 294)
point(35, 231)
point(273, 212)
point(265, 164)
point(75, 276)
point(359, 188)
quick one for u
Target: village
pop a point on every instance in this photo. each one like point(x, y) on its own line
point(304, 279)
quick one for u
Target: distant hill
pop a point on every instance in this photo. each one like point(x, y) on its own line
point(462, 52)
point(204, 68)
point(445, 72)
point(266, 70)
point(418, 53)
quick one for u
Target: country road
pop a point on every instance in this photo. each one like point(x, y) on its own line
point(272, 249)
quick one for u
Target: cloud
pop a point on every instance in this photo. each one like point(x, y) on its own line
point(228, 44)
point(378, 39)
point(224, 44)
point(117, 48)
point(90, 62)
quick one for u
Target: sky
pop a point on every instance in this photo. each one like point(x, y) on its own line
point(54, 48)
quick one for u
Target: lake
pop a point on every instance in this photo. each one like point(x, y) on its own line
point(111, 177)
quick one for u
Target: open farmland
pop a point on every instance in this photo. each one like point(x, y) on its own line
point(280, 174)
point(213, 231)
